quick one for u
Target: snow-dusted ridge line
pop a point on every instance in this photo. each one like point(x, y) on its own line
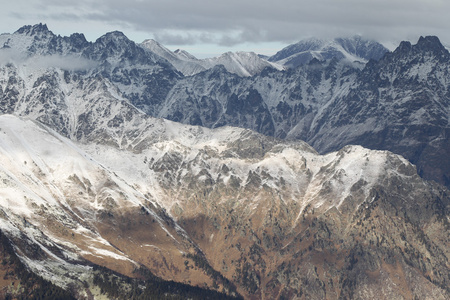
point(240, 63)
point(113, 162)
point(56, 165)
point(352, 49)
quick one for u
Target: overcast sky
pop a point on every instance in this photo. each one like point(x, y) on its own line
point(207, 28)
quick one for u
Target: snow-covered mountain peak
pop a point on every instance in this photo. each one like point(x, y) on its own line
point(116, 48)
point(171, 56)
point(114, 38)
point(150, 42)
point(160, 50)
point(29, 40)
point(38, 40)
point(241, 63)
point(184, 54)
point(432, 44)
point(186, 64)
point(355, 48)
point(153, 45)
point(37, 29)
point(306, 45)
point(363, 48)
point(427, 51)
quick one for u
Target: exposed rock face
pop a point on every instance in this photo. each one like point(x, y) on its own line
point(330, 231)
point(88, 177)
point(399, 103)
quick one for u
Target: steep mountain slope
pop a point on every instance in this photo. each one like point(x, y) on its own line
point(17, 281)
point(400, 103)
point(271, 103)
point(62, 199)
point(229, 191)
point(262, 213)
point(259, 209)
point(239, 63)
point(351, 49)
point(184, 62)
point(143, 77)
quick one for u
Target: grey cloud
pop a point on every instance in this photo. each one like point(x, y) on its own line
point(9, 56)
point(232, 22)
point(186, 38)
point(70, 63)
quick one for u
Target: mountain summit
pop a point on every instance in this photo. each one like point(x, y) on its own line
point(240, 63)
point(353, 49)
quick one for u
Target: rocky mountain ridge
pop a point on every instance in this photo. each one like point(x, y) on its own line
point(240, 63)
point(353, 49)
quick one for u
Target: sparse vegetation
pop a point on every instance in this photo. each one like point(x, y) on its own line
point(149, 286)
point(31, 285)
point(203, 264)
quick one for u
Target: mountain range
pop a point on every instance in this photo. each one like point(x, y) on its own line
point(399, 103)
point(239, 63)
point(128, 169)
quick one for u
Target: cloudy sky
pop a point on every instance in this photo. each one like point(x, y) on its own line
point(208, 28)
